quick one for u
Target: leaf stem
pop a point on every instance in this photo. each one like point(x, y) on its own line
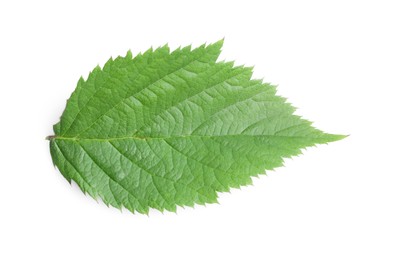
point(50, 137)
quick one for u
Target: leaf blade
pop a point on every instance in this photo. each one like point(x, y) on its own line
point(164, 129)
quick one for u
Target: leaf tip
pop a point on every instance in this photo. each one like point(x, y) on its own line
point(337, 137)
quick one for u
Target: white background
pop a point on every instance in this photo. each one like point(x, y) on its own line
point(333, 60)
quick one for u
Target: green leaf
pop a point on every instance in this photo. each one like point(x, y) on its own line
point(167, 129)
